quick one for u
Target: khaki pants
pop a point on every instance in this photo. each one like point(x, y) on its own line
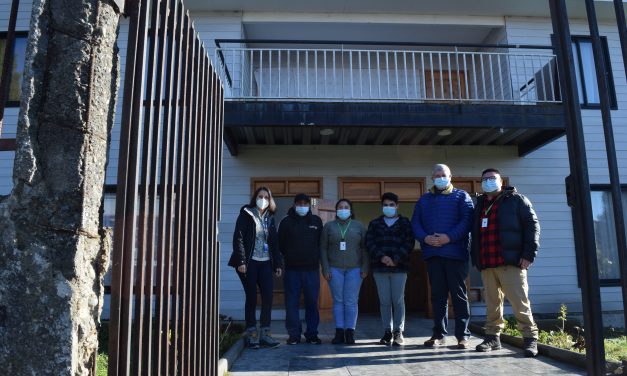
point(510, 282)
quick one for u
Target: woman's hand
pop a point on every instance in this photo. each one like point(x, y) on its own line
point(363, 275)
point(242, 269)
point(327, 276)
point(278, 272)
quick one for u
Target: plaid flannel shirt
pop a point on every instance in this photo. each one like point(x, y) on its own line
point(490, 244)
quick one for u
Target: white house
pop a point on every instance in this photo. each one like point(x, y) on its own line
point(370, 94)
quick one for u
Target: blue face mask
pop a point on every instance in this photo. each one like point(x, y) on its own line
point(389, 211)
point(441, 183)
point(302, 210)
point(343, 214)
point(489, 186)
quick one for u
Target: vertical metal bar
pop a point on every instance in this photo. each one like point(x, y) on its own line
point(413, 60)
point(610, 147)
point(581, 203)
point(622, 30)
point(179, 212)
point(509, 75)
point(250, 68)
point(126, 193)
point(143, 317)
point(289, 71)
point(498, 63)
point(334, 69)
point(168, 199)
point(325, 83)
point(316, 73)
point(297, 73)
point(474, 75)
point(450, 76)
point(398, 93)
point(545, 98)
point(306, 53)
point(466, 77)
point(406, 77)
point(260, 95)
point(270, 73)
point(526, 80)
point(379, 72)
point(387, 73)
point(441, 75)
point(432, 75)
point(279, 71)
point(423, 75)
point(485, 91)
point(350, 69)
point(164, 210)
point(491, 57)
point(459, 82)
point(361, 94)
point(551, 78)
point(7, 60)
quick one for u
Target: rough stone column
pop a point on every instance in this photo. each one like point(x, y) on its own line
point(53, 250)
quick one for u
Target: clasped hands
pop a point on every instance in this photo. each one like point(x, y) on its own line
point(437, 239)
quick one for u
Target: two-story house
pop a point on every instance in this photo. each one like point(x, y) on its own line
point(355, 98)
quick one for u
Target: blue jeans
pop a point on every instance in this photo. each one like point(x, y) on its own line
point(345, 284)
point(259, 273)
point(449, 275)
point(391, 290)
point(309, 283)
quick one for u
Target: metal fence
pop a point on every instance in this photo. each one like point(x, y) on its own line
point(380, 75)
point(164, 293)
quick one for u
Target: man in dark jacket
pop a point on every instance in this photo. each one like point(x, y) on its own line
point(299, 241)
point(505, 241)
point(389, 240)
point(441, 223)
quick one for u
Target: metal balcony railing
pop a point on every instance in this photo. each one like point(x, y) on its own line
point(338, 74)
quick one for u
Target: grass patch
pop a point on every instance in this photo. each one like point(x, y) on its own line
point(230, 332)
point(572, 338)
point(102, 361)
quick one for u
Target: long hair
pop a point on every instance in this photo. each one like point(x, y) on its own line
point(350, 204)
point(253, 200)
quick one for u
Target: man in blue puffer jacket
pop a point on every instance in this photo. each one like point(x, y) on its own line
point(441, 223)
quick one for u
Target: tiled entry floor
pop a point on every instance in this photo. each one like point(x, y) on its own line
point(367, 357)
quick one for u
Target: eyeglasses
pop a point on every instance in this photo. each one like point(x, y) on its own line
point(489, 178)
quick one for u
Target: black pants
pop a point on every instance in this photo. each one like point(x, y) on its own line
point(449, 275)
point(259, 273)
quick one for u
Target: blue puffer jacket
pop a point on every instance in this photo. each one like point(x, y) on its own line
point(448, 212)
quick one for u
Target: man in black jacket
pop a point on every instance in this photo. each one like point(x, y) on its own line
point(299, 241)
point(505, 241)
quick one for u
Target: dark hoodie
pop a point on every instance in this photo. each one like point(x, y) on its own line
point(299, 241)
point(519, 229)
point(244, 240)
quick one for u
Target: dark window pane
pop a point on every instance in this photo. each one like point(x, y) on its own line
point(605, 233)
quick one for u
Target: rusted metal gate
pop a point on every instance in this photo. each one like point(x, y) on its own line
point(164, 293)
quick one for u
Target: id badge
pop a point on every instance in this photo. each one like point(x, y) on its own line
point(484, 222)
point(265, 248)
point(342, 246)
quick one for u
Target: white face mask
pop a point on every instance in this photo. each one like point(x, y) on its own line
point(302, 210)
point(262, 203)
point(489, 186)
point(343, 214)
point(389, 211)
point(441, 183)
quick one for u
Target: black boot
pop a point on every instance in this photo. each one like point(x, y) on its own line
point(349, 335)
point(530, 347)
point(339, 336)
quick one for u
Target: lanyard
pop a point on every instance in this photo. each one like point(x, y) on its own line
point(343, 233)
point(487, 211)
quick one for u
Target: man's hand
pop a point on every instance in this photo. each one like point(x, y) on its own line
point(442, 239)
point(386, 260)
point(242, 269)
point(363, 275)
point(432, 240)
point(327, 276)
point(278, 272)
point(525, 264)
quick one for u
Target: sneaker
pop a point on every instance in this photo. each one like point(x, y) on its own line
point(293, 340)
point(387, 338)
point(265, 338)
point(339, 336)
point(398, 338)
point(463, 344)
point(531, 347)
point(435, 342)
point(491, 342)
point(349, 336)
point(253, 339)
point(315, 340)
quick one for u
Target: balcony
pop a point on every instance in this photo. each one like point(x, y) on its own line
point(475, 88)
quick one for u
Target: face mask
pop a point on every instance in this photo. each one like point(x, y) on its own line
point(262, 203)
point(489, 186)
point(441, 183)
point(343, 214)
point(302, 210)
point(389, 211)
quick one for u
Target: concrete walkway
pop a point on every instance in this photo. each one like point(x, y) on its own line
point(367, 357)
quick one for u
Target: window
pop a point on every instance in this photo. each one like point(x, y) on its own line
point(586, 74)
point(17, 72)
point(605, 233)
